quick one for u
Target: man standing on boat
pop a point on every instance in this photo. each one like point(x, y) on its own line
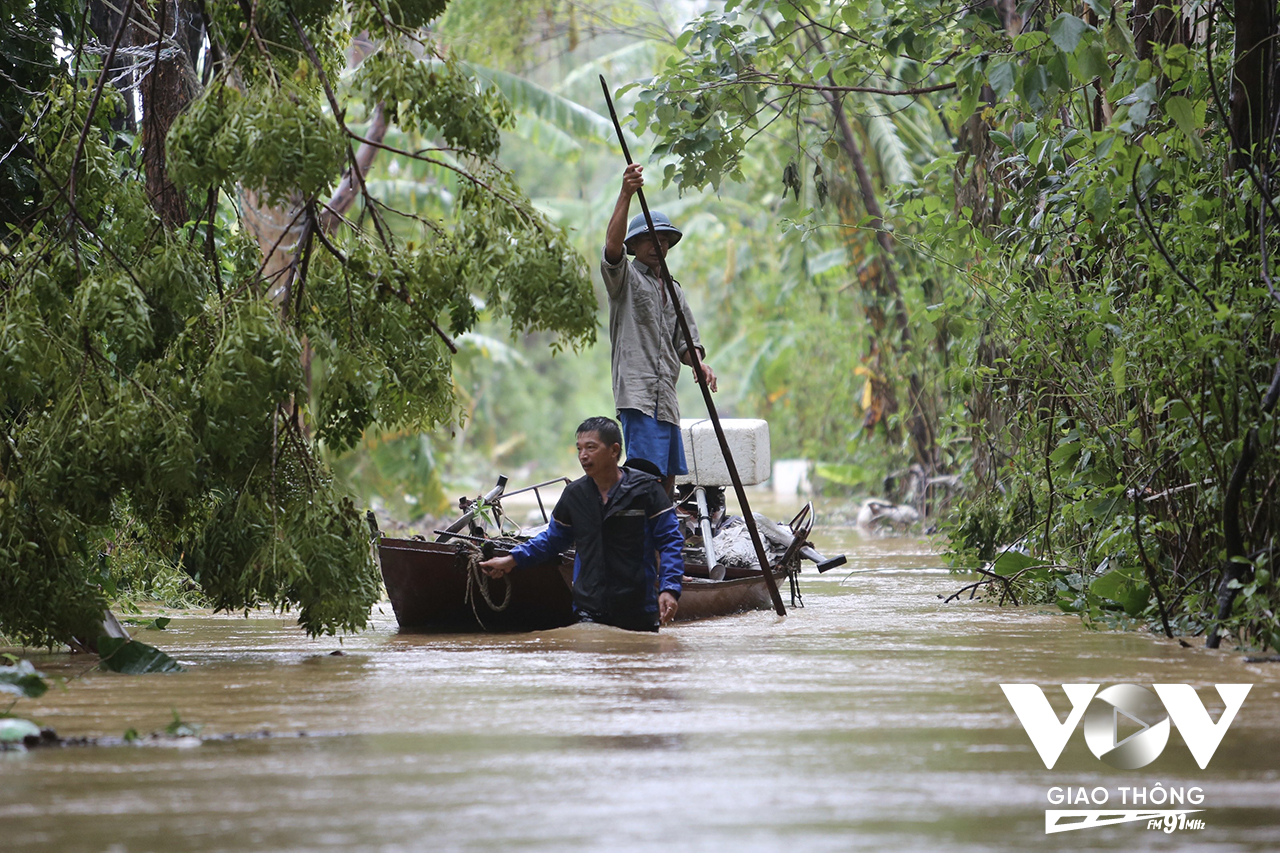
point(648, 346)
point(617, 520)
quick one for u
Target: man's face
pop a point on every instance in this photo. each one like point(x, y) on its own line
point(594, 455)
point(645, 251)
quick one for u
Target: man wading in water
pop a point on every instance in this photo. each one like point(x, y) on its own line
point(648, 346)
point(617, 519)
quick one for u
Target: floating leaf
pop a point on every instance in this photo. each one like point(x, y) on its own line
point(121, 654)
point(14, 730)
point(22, 680)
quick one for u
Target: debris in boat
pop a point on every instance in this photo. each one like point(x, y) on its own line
point(734, 547)
point(877, 515)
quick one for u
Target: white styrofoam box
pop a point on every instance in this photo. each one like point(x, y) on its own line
point(748, 442)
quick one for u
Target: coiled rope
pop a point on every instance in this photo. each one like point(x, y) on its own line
point(469, 556)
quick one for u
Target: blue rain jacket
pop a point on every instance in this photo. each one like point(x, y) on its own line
point(615, 573)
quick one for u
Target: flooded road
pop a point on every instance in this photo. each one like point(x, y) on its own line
point(871, 719)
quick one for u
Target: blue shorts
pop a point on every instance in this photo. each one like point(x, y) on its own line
point(652, 439)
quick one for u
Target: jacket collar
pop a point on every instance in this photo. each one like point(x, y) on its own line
point(632, 482)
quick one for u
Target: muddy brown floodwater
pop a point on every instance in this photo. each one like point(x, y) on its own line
point(871, 719)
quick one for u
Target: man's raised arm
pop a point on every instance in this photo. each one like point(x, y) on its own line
point(615, 236)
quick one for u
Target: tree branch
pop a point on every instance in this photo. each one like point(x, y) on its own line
point(93, 103)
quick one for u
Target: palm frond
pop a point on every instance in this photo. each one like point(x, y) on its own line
point(528, 97)
point(626, 64)
point(891, 151)
point(548, 138)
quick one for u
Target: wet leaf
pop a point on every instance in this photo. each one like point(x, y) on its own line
point(133, 657)
point(22, 680)
point(1012, 562)
point(1001, 76)
point(791, 180)
point(14, 730)
point(178, 728)
point(1182, 111)
point(1118, 365)
point(820, 184)
point(1125, 586)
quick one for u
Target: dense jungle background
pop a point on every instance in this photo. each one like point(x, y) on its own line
point(263, 263)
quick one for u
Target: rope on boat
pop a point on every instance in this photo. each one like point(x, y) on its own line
point(470, 556)
point(797, 600)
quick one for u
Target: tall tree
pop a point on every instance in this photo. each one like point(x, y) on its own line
point(151, 363)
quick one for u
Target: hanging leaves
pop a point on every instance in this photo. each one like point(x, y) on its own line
point(159, 374)
point(791, 180)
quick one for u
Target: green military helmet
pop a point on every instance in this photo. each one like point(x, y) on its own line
point(661, 224)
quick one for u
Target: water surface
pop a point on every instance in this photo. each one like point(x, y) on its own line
point(871, 719)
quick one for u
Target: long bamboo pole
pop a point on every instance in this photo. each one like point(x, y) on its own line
point(696, 360)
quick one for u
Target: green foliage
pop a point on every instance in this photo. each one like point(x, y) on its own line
point(1088, 317)
point(400, 472)
point(132, 657)
point(19, 678)
point(409, 14)
point(276, 140)
point(26, 57)
point(1126, 343)
point(164, 399)
point(697, 98)
point(435, 94)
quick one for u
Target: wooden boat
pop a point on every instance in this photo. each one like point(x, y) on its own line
point(435, 587)
point(427, 583)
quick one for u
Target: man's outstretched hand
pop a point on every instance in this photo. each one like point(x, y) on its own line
point(498, 566)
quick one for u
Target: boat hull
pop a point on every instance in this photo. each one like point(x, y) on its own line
point(427, 585)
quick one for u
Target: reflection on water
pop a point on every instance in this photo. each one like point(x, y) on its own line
point(869, 720)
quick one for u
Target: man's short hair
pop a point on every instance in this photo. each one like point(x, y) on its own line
point(607, 428)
